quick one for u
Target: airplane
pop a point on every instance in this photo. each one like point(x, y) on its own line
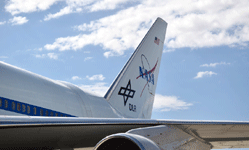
point(40, 113)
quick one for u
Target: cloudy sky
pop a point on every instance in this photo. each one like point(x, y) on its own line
point(205, 65)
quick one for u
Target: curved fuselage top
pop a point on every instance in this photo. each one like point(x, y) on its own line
point(25, 93)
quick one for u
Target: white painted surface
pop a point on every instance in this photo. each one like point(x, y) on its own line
point(24, 86)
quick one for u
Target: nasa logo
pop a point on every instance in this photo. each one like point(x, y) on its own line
point(147, 75)
point(145, 72)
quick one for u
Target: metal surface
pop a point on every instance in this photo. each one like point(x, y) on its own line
point(86, 132)
point(141, 142)
point(222, 135)
point(170, 137)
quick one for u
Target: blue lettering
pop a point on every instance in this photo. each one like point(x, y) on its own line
point(146, 75)
point(141, 72)
point(152, 81)
point(149, 76)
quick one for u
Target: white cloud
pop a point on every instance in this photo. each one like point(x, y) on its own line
point(18, 20)
point(168, 51)
point(48, 55)
point(168, 103)
point(52, 56)
point(27, 6)
point(99, 77)
point(202, 74)
point(77, 6)
point(113, 38)
point(107, 5)
point(88, 58)
point(64, 11)
point(214, 64)
point(201, 24)
point(98, 88)
point(38, 49)
point(72, 6)
point(4, 57)
point(76, 78)
point(2, 23)
point(40, 55)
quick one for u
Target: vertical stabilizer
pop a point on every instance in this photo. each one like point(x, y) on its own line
point(132, 92)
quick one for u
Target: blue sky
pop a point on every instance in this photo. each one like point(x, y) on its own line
point(205, 65)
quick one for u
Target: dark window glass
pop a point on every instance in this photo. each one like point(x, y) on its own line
point(51, 114)
point(18, 106)
point(41, 112)
point(13, 105)
point(34, 109)
point(61, 115)
point(0, 102)
point(56, 114)
point(6, 103)
point(46, 112)
point(28, 109)
point(23, 108)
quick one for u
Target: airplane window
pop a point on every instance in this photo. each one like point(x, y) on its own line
point(61, 115)
point(23, 108)
point(0, 102)
point(13, 106)
point(18, 106)
point(34, 109)
point(51, 114)
point(56, 114)
point(6, 103)
point(41, 112)
point(46, 112)
point(28, 109)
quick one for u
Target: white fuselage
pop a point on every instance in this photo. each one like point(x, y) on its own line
point(25, 93)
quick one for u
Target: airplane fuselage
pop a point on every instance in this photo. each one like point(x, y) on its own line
point(25, 93)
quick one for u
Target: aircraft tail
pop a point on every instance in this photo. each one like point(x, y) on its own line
point(132, 92)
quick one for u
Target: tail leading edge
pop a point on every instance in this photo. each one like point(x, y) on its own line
point(132, 92)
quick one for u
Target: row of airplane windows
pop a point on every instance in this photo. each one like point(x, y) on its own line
point(28, 109)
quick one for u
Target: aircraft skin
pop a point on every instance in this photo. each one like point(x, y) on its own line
point(38, 112)
point(25, 88)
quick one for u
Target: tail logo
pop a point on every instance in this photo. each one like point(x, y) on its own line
point(145, 72)
point(126, 92)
